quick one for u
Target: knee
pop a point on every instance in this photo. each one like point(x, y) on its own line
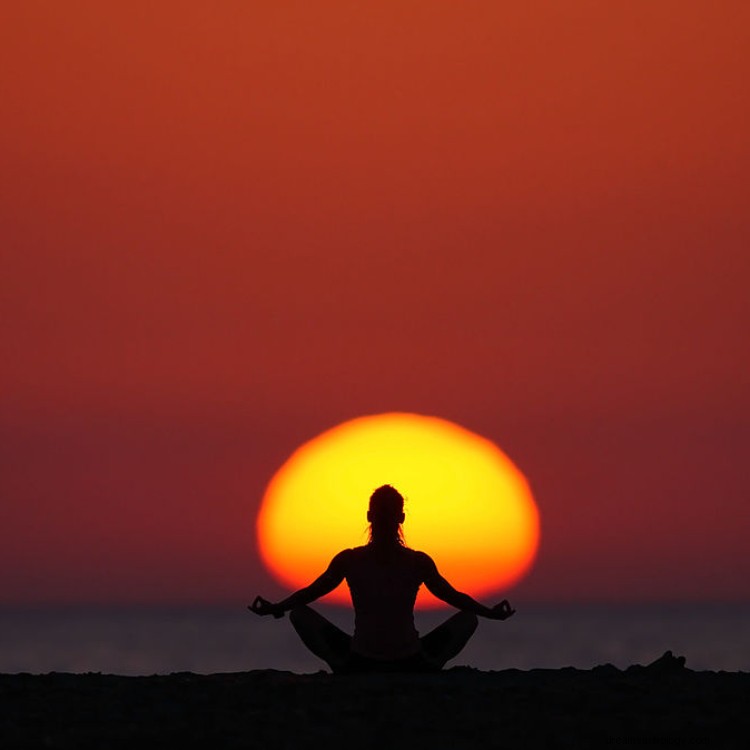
point(463, 622)
point(299, 614)
point(469, 621)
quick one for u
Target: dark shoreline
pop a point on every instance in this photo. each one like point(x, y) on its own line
point(663, 704)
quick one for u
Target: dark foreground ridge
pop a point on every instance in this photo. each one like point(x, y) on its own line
point(662, 704)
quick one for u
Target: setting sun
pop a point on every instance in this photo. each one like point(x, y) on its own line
point(467, 505)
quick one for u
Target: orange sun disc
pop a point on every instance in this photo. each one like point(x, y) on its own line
point(466, 504)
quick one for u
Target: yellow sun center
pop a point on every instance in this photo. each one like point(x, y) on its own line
point(466, 505)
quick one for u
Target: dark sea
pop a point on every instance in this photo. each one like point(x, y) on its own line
point(146, 641)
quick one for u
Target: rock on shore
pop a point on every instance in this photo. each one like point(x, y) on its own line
point(662, 704)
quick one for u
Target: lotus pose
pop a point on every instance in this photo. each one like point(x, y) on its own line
point(383, 578)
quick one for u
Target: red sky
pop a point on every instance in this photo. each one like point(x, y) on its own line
point(226, 227)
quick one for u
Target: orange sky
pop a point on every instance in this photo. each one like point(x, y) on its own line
point(226, 227)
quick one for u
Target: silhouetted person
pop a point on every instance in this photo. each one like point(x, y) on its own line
point(383, 577)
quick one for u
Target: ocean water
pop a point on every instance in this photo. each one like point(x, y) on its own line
point(143, 641)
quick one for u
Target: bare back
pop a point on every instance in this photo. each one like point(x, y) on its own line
point(383, 583)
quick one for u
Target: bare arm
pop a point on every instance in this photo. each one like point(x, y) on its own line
point(321, 586)
point(439, 587)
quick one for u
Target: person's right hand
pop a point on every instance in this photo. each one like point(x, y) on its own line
point(263, 607)
point(502, 611)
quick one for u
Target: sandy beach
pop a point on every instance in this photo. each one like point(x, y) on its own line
point(661, 704)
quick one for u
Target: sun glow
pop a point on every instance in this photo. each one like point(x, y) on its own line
point(467, 505)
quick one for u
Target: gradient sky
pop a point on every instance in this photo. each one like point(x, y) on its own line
point(226, 227)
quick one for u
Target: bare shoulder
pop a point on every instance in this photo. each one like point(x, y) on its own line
point(341, 560)
point(354, 552)
point(423, 561)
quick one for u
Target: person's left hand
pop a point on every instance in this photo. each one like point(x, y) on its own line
point(502, 611)
point(263, 607)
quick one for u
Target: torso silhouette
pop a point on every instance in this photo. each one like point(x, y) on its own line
point(383, 581)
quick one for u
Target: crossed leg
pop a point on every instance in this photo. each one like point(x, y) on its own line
point(446, 641)
point(333, 645)
point(321, 636)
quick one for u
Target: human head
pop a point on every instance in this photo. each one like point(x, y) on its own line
point(386, 514)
